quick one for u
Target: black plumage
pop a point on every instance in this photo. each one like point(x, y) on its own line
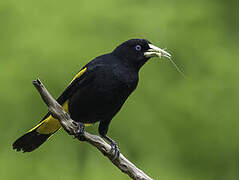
point(100, 91)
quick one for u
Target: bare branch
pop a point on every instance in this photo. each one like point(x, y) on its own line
point(67, 123)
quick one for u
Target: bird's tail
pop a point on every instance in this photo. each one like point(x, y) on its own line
point(37, 135)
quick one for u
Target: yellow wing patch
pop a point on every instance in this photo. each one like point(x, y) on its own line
point(79, 74)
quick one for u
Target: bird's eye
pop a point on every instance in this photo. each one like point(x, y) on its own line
point(138, 47)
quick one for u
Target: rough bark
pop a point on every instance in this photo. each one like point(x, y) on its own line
point(67, 123)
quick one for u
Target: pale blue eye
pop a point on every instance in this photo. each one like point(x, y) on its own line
point(138, 47)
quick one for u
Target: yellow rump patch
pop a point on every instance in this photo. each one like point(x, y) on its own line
point(79, 74)
point(50, 124)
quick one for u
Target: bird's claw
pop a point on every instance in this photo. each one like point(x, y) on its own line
point(115, 149)
point(79, 132)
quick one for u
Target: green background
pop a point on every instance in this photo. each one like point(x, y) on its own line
point(172, 128)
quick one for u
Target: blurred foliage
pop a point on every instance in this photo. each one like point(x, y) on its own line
point(172, 128)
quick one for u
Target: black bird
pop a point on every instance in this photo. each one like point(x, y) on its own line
point(96, 93)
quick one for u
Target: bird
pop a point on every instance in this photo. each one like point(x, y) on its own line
point(96, 93)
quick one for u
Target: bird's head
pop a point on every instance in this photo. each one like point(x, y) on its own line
point(137, 52)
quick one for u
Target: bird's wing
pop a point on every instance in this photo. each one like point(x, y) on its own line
point(49, 125)
point(78, 81)
point(75, 83)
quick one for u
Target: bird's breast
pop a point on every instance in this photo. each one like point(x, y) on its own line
point(105, 94)
point(117, 79)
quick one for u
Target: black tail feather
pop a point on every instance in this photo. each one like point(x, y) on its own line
point(30, 141)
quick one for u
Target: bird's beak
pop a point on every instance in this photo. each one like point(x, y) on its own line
point(154, 51)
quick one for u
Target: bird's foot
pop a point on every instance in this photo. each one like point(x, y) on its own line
point(79, 133)
point(115, 149)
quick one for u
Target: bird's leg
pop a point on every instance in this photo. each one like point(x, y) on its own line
point(103, 128)
point(114, 147)
point(79, 132)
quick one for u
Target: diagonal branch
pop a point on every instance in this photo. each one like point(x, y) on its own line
point(67, 123)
